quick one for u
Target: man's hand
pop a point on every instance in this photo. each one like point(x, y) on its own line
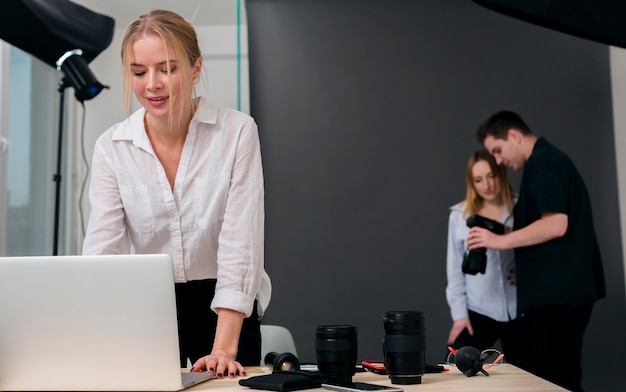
point(483, 238)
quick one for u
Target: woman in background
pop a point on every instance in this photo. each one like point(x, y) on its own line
point(482, 305)
point(183, 177)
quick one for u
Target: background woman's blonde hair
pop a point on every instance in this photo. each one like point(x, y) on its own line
point(473, 201)
point(181, 43)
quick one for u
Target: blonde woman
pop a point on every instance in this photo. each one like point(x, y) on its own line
point(183, 177)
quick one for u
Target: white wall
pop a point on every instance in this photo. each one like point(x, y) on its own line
point(4, 131)
point(222, 65)
point(618, 82)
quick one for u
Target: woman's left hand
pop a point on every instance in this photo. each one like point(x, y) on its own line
point(220, 362)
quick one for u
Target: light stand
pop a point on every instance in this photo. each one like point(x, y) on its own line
point(57, 177)
point(78, 76)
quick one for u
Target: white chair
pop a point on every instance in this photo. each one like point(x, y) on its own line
point(275, 338)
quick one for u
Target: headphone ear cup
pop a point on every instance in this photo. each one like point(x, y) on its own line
point(468, 360)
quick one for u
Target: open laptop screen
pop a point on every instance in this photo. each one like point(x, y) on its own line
point(88, 323)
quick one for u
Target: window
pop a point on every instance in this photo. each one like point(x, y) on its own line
point(29, 119)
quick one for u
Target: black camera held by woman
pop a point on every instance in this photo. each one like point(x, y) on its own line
point(475, 261)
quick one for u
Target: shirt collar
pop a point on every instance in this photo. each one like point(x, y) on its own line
point(135, 128)
point(206, 112)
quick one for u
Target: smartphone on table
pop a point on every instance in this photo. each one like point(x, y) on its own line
point(360, 387)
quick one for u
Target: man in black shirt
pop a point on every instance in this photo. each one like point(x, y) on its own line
point(557, 260)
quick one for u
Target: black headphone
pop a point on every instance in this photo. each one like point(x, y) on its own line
point(470, 361)
point(282, 362)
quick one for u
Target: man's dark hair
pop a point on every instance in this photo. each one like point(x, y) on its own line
point(498, 125)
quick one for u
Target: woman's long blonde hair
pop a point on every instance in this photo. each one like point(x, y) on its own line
point(181, 42)
point(473, 202)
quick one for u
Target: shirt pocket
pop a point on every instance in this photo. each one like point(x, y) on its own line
point(138, 208)
point(209, 200)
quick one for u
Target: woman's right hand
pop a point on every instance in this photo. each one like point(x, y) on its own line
point(220, 362)
point(457, 327)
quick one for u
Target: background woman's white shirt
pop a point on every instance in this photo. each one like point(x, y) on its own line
point(491, 294)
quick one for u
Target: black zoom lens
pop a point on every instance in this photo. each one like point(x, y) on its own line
point(336, 350)
point(404, 346)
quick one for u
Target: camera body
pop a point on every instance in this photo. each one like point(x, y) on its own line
point(475, 261)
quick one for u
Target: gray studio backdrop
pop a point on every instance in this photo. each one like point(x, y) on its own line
point(367, 111)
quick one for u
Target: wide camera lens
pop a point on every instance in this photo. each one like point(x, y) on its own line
point(336, 351)
point(404, 346)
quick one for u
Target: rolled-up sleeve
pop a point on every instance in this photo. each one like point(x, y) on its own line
point(241, 277)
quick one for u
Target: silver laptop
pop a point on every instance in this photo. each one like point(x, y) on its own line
point(90, 323)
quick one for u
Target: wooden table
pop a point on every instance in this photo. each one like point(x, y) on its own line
point(503, 377)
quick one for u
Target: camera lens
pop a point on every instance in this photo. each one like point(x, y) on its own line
point(404, 346)
point(336, 350)
point(475, 261)
point(282, 362)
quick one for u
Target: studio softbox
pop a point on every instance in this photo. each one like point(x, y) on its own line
point(597, 20)
point(47, 29)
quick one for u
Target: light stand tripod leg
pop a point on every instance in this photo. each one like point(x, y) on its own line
point(57, 177)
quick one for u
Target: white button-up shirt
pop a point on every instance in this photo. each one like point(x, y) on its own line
point(211, 223)
point(491, 294)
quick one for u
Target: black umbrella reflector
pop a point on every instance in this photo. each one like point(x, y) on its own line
point(597, 20)
point(47, 29)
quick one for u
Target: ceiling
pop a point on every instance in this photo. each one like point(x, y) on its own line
point(207, 12)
